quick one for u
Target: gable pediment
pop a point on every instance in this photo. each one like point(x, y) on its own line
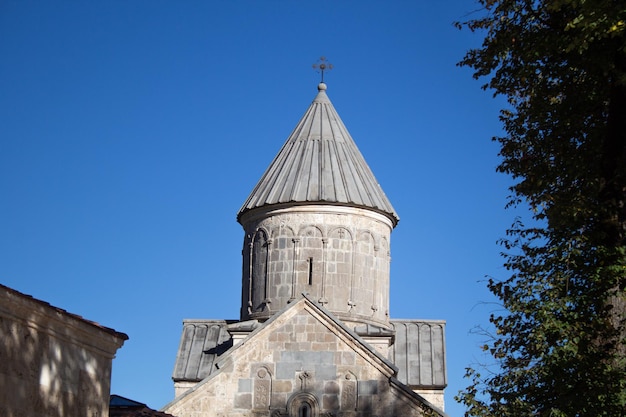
point(302, 349)
point(304, 324)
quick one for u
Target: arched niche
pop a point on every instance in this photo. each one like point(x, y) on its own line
point(262, 388)
point(349, 391)
point(303, 404)
point(339, 267)
point(260, 259)
point(364, 272)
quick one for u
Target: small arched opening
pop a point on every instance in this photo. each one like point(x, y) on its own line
point(303, 404)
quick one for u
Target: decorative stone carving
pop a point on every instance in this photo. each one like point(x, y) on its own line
point(262, 389)
point(349, 393)
point(305, 377)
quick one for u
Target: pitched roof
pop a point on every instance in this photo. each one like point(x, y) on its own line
point(320, 163)
point(418, 352)
point(25, 298)
point(224, 360)
point(201, 343)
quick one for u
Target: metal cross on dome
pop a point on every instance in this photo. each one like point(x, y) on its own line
point(322, 65)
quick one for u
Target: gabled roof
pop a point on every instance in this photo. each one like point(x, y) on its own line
point(231, 358)
point(418, 351)
point(320, 163)
point(32, 304)
point(201, 343)
point(376, 358)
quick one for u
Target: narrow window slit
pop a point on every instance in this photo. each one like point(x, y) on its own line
point(304, 410)
point(310, 271)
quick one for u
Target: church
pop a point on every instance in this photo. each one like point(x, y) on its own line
point(314, 337)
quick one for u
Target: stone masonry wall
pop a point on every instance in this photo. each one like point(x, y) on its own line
point(296, 364)
point(338, 255)
point(52, 364)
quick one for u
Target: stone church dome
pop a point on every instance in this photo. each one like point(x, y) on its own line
point(318, 223)
point(314, 337)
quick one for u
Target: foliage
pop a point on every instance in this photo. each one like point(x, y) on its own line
point(559, 347)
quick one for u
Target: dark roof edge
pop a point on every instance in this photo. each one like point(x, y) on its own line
point(113, 332)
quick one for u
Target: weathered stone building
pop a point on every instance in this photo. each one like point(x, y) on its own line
point(314, 336)
point(52, 363)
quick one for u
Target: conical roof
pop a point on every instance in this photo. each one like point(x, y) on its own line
point(320, 163)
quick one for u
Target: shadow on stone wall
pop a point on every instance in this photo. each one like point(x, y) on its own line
point(44, 372)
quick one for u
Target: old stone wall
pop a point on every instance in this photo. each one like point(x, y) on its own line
point(297, 366)
point(338, 255)
point(51, 363)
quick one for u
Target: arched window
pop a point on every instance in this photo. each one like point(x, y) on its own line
point(303, 404)
point(259, 270)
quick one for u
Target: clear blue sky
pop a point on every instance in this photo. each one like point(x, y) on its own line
point(132, 131)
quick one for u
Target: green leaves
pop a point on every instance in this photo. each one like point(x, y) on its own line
point(560, 347)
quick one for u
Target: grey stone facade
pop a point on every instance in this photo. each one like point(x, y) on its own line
point(338, 255)
point(301, 357)
point(52, 363)
point(314, 337)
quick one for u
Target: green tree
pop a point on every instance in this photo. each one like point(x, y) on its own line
point(558, 348)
